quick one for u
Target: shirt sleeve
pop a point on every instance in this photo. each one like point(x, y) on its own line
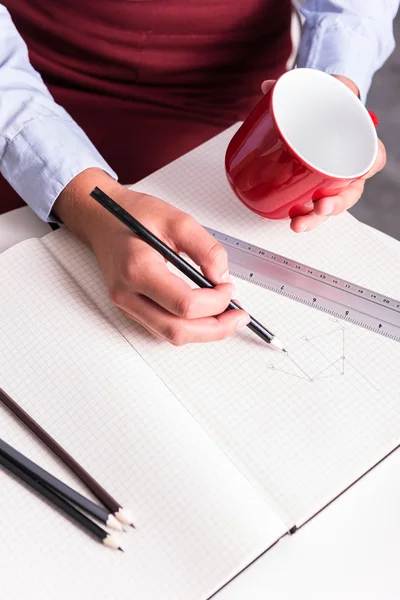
point(348, 37)
point(41, 147)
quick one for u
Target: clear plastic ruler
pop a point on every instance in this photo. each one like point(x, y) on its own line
point(310, 286)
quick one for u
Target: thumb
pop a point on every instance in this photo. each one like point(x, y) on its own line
point(267, 85)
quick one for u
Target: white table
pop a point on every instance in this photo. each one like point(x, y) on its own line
point(350, 551)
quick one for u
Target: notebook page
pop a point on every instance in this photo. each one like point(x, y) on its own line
point(301, 428)
point(198, 520)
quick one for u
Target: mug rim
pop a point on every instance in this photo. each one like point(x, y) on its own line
point(299, 156)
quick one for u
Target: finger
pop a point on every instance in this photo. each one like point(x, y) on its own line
point(380, 161)
point(180, 331)
point(306, 222)
point(267, 85)
point(190, 237)
point(334, 205)
point(145, 325)
point(175, 295)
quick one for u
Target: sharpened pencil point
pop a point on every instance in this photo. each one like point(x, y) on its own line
point(276, 343)
point(124, 516)
point(120, 549)
point(113, 523)
point(111, 541)
point(133, 526)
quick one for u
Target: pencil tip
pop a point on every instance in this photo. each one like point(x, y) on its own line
point(133, 526)
point(120, 549)
point(284, 350)
point(124, 516)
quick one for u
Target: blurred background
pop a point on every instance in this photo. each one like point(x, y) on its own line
point(380, 204)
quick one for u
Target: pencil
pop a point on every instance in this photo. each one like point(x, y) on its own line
point(63, 490)
point(70, 511)
point(180, 263)
point(122, 514)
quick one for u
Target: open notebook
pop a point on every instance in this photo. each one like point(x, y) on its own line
point(219, 449)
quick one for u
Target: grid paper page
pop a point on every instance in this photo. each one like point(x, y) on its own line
point(301, 428)
point(198, 520)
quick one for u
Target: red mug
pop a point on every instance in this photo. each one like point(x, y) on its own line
point(309, 137)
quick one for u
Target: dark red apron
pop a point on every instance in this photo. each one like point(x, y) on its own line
point(149, 80)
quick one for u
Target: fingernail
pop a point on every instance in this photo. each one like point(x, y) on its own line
point(328, 210)
point(243, 321)
point(302, 228)
point(226, 278)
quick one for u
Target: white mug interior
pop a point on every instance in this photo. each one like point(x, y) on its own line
point(324, 123)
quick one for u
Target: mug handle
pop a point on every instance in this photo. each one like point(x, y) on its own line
point(374, 118)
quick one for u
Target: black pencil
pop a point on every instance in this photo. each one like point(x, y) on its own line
point(180, 263)
point(62, 489)
point(122, 514)
point(73, 513)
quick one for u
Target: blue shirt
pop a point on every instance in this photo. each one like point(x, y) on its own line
point(42, 148)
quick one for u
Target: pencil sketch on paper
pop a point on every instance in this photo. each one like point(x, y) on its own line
point(316, 357)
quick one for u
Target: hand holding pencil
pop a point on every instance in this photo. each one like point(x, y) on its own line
point(138, 279)
point(150, 238)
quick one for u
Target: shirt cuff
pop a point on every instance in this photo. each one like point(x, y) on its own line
point(44, 157)
point(333, 47)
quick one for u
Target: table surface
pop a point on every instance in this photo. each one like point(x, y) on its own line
point(350, 551)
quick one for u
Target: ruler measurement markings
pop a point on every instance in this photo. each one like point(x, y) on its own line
point(306, 271)
point(325, 309)
point(314, 288)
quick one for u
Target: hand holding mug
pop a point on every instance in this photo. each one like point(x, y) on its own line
point(305, 151)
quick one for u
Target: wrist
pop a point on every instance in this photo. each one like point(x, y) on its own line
point(79, 212)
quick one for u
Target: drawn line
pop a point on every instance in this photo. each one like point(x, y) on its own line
point(292, 374)
point(341, 371)
point(327, 357)
point(328, 367)
point(359, 372)
point(295, 363)
point(328, 376)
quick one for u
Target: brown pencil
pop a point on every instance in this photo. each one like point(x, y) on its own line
point(122, 514)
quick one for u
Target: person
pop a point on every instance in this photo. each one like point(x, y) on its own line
point(146, 82)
